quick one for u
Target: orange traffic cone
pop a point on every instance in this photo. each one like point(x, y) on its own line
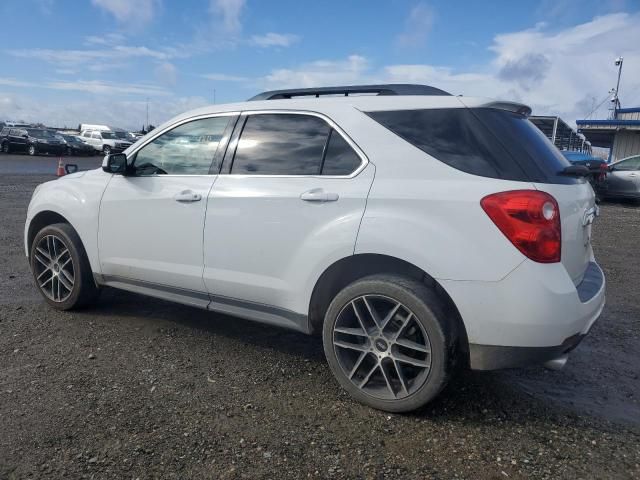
point(60, 172)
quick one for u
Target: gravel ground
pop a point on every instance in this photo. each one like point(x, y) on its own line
point(140, 388)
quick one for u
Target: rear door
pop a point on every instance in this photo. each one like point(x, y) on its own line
point(288, 201)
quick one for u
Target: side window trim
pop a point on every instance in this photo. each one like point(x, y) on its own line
point(333, 127)
point(219, 155)
point(230, 154)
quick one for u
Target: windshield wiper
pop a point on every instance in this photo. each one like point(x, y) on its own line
point(575, 171)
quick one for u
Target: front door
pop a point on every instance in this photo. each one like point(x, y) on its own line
point(152, 220)
point(291, 200)
point(624, 178)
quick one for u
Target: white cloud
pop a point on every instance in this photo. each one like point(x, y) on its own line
point(90, 86)
point(272, 39)
point(417, 27)
point(101, 110)
point(230, 11)
point(353, 69)
point(565, 72)
point(78, 57)
point(108, 39)
point(166, 73)
point(128, 11)
point(223, 77)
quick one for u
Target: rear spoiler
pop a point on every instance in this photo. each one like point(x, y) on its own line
point(511, 107)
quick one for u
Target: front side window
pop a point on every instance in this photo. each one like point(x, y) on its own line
point(185, 150)
point(629, 164)
point(281, 144)
point(96, 135)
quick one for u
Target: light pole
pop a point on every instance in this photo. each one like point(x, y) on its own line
point(616, 99)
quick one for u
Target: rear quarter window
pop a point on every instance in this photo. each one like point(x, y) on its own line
point(486, 142)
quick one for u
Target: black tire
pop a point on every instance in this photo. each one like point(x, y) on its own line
point(31, 150)
point(84, 290)
point(106, 149)
point(427, 310)
point(5, 147)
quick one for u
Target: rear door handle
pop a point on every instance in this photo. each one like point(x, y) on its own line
point(319, 195)
point(187, 196)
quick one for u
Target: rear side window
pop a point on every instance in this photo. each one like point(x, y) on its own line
point(281, 144)
point(340, 158)
point(487, 142)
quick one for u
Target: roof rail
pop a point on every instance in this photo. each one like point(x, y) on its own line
point(390, 89)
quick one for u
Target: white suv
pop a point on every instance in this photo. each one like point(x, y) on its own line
point(414, 229)
point(105, 141)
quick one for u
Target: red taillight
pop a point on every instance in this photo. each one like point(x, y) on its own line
point(530, 219)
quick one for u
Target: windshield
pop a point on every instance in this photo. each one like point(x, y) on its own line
point(39, 133)
point(70, 138)
point(108, 135)
point(122, 135)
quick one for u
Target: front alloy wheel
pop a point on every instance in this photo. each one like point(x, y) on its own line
point(31, 150)
point(54, 268)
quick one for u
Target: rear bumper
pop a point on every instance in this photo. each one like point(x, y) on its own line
point(533, 315)
point(492, 357)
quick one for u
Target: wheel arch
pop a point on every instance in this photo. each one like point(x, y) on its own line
point(41, 220)
point(349, 269)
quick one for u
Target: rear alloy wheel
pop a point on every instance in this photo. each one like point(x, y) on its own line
point(387, 342)
point(5, 147)
point(31, 150)
point(60, 268)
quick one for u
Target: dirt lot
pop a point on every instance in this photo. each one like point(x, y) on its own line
point(140, 388)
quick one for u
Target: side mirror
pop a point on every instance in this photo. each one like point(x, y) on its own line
point(611, 168)
point(70, 168)
point(115, 163)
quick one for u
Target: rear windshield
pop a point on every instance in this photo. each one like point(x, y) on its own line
point(483, 141)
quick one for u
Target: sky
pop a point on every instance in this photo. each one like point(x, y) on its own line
point(103, 61)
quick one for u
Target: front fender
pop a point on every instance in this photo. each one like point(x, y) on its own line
point(76, 198)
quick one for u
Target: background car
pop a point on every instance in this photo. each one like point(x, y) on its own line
point(75, 146)
point(32, 141)
point(105, 141)
point(623, 179)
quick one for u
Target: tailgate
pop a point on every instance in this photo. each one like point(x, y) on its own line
point(577, 212)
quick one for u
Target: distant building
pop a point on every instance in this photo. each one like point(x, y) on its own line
point(561, 134)
point(620, 134)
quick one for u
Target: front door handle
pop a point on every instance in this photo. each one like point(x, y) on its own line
point(187, 196)
point(319, 195)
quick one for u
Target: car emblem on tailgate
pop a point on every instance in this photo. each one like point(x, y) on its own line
point(590, 215)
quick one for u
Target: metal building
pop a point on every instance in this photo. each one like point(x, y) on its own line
point(561, 134)
point(621, 134)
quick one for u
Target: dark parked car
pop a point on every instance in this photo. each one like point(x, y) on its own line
point(598, 167)
point(75, 146)
point(32, 141)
